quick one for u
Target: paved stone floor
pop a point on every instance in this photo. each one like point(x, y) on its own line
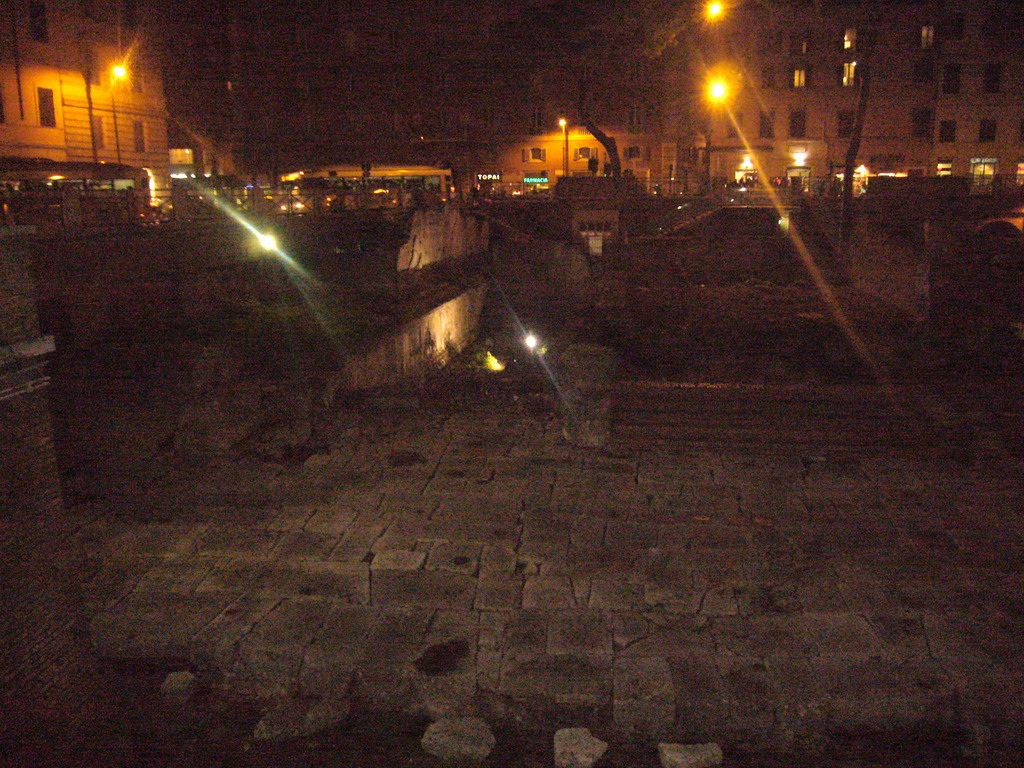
point(464, 562)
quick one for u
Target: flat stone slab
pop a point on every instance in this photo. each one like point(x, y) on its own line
point(563, 679)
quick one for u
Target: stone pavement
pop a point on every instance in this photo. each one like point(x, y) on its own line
point(468, 561)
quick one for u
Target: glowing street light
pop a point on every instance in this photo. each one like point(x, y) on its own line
point(718, 91)
point(713, 10)
point(267, 241)
point(530, 341)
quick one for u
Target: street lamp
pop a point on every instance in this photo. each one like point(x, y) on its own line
point(118, 73)
point(713, 10)
point(565, 145)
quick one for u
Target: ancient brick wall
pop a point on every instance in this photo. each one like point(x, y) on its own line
point(29, 482)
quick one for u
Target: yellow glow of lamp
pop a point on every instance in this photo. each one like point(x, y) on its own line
point(120, 71)
point(717, 91)
point(714, 10)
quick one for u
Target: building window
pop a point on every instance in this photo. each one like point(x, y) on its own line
point(584, 153)
point(943, 168)
point(734, 126)
point(797, 124)
point(983, 170)
point(139, 130)
point(924, 70)
point(921, 123)
point(799, 45)
point(927, 37)
point(766, 129)
point(47, 110)
point(987, 130)
point(844, 123)
point(767, 77)
point(3, 116)
point(37, 27)
point(633, 153)
point(993, 76)
point(1020, 174)
point(136, 78)
point(636, 119)
point(535, 155)
point(800, 77)
point(947, 131)
point(848, 76)
point(537, 121)
point(849, 39)
point(951, 78)
point(1021, 135)
point(97, 132)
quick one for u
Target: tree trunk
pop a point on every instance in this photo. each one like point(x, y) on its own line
point(609, 144)
point(846, 226)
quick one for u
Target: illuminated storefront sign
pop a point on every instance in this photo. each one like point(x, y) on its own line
point(488, 176)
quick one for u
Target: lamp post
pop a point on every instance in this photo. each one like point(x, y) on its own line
point(565, 146)
point(717, 92)
point(118, 73)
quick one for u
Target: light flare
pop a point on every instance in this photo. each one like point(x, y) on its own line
point(828, 296)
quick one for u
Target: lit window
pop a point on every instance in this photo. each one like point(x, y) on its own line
point(584, 153)
point(849, 74)
point(927, 36)
point(849, 39)
point(1020, 174)
point(943, 169)
point(799, 77)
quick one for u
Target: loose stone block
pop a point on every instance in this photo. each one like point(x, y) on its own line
point(577, 748)
point(689, 755)
point(455, 739)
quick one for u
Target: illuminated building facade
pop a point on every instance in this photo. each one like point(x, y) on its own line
point(77, 83)
point(946, 90)
point(273, 87)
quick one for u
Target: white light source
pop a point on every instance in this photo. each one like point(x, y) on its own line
point(267, 241)
point(530, 341)
point(800, 158)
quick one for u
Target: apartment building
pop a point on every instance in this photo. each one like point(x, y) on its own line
point(78, 83)
point(945, 90)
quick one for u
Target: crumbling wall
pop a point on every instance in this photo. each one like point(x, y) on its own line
point(428, 341)
point(438, 234)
